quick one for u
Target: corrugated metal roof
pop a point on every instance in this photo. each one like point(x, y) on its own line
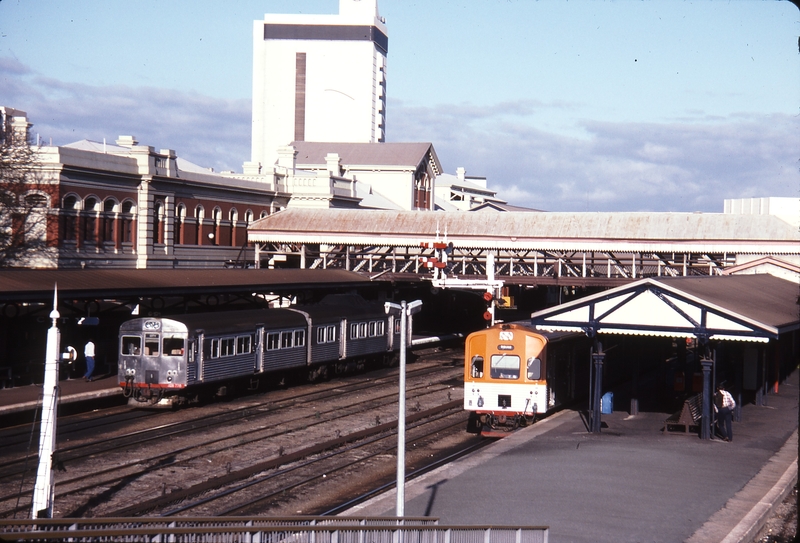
point(27, 285)
point(747, 307)
point(364, 154)
point(761, 297)
point(625, 231)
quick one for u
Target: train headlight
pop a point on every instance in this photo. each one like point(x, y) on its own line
point(480, 401)
point(169, 378)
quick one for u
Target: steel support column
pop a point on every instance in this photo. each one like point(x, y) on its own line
point(598, 357)
point(705, 425)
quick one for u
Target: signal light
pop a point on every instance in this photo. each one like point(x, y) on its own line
point(488, 296)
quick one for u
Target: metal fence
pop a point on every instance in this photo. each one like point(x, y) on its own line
point(265, 530)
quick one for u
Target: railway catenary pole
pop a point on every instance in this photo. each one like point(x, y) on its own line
point(404, 311)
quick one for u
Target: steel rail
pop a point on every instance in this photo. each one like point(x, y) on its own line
point(234, 476)
point(157, 461)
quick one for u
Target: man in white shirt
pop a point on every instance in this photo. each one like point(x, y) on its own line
point(724, 405)
point(88, 353)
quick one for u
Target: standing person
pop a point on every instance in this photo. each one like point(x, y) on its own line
point(724, 405)
point(88, 353)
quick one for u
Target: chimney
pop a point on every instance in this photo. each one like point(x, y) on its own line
point(461, 173)
point(333, 162)
point(127, 141)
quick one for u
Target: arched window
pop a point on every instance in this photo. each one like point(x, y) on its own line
point(217, 216)
point(233, 217)
point(264, 213)
point(69, 218)
point(36, 199)
point(180, 219)
point(109, 219)
point(91, 206)
point(128, 221)
point(158, 222)
point(199, 215)
point(248, 217)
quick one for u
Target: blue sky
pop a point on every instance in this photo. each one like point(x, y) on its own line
point(564, 106)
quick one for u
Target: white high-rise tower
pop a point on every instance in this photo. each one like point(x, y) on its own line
point(318, 78)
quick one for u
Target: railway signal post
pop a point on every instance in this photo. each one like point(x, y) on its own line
point(404, 311)
point(43, 490)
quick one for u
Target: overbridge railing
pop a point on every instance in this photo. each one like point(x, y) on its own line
point(265, 530)
point(508, 263)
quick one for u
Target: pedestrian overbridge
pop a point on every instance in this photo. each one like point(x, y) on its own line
point(535, 248)
point(711, 312)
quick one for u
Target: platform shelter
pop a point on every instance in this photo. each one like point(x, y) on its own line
point(743, 329)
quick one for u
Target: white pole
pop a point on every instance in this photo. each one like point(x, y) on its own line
point(43, 490)
point(401, 417)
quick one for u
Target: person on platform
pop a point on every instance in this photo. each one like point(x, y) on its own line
point(724, 405)
point(88, 353)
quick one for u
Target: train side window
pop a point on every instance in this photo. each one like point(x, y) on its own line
point(381, 328)
point(286, 340)
point(273, 341)
point(214, 348)
point(131, 345)
point(477, 366)
point(505, 366)
point(321, 335)
point(354, 331)
point(362, 329)
point(227, 346)
point(397, 326)
point(330, 333)
point(299, 338)
point(173, 346)
point(373, 327)
point(534, 369)
point(243, 344)
point(151, 344)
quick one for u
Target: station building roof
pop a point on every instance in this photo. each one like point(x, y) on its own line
point(601, 231)
point(362, 155)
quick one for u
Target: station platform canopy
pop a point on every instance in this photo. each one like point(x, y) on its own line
point(747, 308)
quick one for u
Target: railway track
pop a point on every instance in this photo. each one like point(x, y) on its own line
point(303, 467)
point(98, 469)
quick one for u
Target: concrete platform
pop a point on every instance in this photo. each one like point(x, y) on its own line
point(628, 483)
point(27, 398)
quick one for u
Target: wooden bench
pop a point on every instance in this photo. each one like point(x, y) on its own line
point(689, 415)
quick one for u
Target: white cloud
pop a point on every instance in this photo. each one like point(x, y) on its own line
point(208, 131)
point(678, 166)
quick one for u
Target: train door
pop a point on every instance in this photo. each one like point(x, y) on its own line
point(201, 338)
point(259, 349)
point(343, 339)
point(191, 361)
point(390, 333)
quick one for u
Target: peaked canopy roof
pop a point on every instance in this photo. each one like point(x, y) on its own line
point(747, 307)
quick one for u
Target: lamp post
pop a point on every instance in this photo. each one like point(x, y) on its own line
point(405, 311)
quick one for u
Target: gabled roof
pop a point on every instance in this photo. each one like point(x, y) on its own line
point(355, 155)
point(745, 307)
point(760, 262)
